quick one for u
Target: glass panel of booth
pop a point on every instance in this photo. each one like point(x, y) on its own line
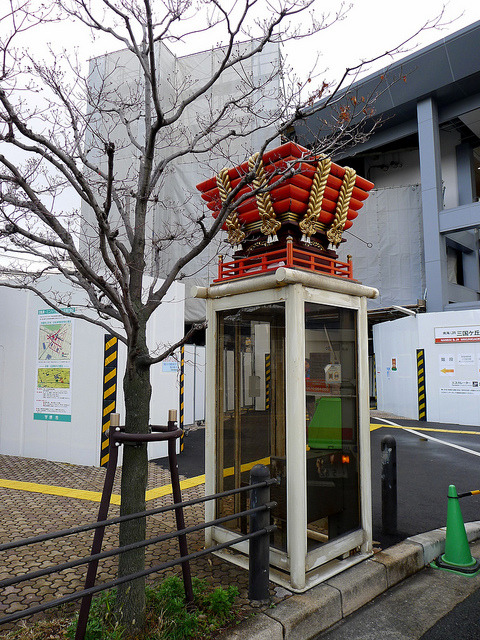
point(333, 497)
point(250, 407)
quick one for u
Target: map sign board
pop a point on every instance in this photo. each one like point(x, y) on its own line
point(53, 395)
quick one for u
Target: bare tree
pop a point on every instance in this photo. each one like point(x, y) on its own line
point(113, 137)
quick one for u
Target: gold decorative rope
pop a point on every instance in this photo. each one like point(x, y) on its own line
point(234, 229)
point(308, 225)
point(270, 225)
point(334, 234)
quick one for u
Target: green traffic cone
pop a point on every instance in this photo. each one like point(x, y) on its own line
point(457, 556)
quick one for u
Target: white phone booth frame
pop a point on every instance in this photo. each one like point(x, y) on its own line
point(296, 568)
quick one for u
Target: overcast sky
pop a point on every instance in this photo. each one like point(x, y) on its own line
point(370, 28)
point(373, 27)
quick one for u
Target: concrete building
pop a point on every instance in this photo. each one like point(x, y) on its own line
point(54, 408)
point(417, 237)
point(116, 80)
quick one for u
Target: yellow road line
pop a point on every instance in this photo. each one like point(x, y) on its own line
point(198, 480)
point(230, 471)
point(166, 490)
point(375, 426)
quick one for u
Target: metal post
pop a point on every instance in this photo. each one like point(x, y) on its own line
point(177, 498)
point(258, 570)
point(389, 486)
point(99, 533)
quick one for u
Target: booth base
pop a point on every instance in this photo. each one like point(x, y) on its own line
point(312, 578)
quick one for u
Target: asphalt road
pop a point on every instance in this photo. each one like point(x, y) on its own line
point(462, 622)
point(425, 468)
point(430, 605)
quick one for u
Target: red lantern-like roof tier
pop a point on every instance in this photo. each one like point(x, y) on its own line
point(291, 196)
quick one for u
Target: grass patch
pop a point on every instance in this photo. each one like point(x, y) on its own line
point(167, 616)
point(213, 610)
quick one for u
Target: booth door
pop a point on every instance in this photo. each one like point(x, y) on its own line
point(250, 405)
point(332, 457)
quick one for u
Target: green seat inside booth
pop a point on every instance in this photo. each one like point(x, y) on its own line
point(325, 428)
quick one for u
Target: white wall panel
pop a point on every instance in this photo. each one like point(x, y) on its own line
point(392, 261)
point(452, 369)
point(395, 345)
point(76, 441)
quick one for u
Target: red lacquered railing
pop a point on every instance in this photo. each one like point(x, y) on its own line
point(289, 257)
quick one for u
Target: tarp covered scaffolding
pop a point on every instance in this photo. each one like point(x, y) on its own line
point(175, 206)
point(387, 246)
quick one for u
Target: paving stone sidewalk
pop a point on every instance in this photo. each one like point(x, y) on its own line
point(25, 514)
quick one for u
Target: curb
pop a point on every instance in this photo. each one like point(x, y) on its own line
point(303, 616)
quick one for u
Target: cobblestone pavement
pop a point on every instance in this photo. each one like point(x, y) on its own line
point(25, 514)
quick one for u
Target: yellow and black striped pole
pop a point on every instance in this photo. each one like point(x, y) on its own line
point(374, 381)
point(109, 393)
point(422, 394)
point(475, 492)
point(182, 395)
point(268, 376)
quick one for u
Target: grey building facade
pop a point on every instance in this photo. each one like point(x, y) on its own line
point(417, 237)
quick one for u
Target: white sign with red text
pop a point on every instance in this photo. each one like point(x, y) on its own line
point(457, 334)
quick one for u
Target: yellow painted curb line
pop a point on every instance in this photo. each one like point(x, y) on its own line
point(51, 490)
point(94, 496)
point(159, 492)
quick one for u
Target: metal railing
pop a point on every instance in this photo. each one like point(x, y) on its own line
point(260, 530)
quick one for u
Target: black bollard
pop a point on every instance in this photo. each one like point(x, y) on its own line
point(258, 568)
point(179, 517)
point(389, 486)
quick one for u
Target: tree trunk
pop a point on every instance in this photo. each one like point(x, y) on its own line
point(137, 393)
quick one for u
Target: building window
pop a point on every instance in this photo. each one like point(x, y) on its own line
point(455, 266)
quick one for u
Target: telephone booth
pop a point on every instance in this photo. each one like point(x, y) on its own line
point(287, 387)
